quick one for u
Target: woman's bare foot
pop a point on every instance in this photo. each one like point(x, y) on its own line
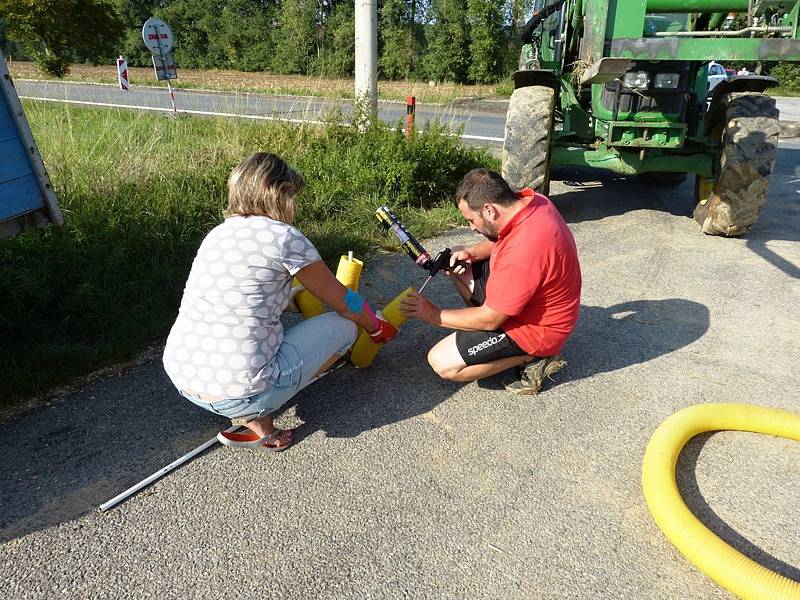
point(265, 426)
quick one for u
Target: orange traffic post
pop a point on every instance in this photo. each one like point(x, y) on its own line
point(411, 106)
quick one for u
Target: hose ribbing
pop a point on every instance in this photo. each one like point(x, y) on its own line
point(728, 567)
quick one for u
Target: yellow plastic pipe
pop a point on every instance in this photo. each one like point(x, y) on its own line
point(309, 304)
point(348, 273)
point(365, 349)
point(728, 567)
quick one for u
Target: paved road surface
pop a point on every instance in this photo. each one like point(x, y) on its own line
point(477, 123)
point(481, 121)
point(402, 485)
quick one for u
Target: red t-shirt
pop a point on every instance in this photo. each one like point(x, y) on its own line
point(535, 278)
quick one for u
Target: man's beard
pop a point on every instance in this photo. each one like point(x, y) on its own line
point(490, 233)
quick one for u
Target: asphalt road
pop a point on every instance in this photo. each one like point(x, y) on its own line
point(402, 485)
point(481, 121)
point(478, 122)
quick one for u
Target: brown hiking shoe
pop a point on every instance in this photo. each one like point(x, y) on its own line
point(531, 377)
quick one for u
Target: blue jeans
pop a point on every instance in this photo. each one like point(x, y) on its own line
point(305, 349)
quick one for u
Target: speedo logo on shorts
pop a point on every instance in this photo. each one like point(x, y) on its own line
point(486, 343)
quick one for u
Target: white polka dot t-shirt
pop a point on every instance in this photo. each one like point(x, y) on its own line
point(224, 341)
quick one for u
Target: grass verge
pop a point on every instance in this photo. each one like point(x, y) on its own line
point(140, 191)
point(266, 83)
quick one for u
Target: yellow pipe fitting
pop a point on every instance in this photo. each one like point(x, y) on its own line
point(349, 271)
point(309, 304)
point(730, 568)
point(365, 350)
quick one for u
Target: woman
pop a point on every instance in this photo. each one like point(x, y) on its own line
point(227, 351)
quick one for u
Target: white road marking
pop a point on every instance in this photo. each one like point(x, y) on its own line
point(220, 114)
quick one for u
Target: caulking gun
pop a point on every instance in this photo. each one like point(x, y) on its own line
point(413, 248)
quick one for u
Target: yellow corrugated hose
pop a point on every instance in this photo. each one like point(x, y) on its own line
point(728, 567)
point(348, 273)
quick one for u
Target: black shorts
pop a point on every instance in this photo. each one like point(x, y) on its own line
point(479, 347)
point(480, 277)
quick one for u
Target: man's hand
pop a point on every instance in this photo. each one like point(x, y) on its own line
point(385, 331)
point(418, 306)
point(458, 253)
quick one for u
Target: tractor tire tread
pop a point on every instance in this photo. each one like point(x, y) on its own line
point(526, 146)
point(749, 149)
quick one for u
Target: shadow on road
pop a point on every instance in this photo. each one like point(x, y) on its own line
point(612, 338)
point(780, 217)
point(686, 476)
point(593, 194)
point(63, 461)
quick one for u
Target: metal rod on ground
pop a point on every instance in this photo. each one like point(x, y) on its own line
point(189, 455)
point(158, 474)
point(411, 105)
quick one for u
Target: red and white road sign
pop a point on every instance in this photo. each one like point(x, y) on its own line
point(157, 36)
point(122, 72)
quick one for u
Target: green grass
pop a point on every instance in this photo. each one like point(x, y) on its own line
point(140, 191)
point(783, 91)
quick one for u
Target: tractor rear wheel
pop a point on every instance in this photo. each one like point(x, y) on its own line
point(729, 204)
point(526, 147)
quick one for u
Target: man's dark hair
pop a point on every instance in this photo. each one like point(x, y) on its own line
point(480, 186)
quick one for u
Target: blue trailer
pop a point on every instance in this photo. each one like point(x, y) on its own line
point(26, 197)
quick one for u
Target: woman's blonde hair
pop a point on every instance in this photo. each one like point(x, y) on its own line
point(264, 185)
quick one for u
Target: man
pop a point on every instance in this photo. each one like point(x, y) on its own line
point(522, 288)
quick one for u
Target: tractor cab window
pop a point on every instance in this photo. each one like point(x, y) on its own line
point(654, 23)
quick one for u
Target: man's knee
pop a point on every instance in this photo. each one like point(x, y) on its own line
point(441, 360)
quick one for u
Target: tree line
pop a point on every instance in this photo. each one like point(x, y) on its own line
point(461, 41)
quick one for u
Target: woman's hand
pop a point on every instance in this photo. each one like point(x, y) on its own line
point(418, 306)
point(385, 331)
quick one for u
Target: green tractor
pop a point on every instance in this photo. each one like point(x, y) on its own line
point(623, 85)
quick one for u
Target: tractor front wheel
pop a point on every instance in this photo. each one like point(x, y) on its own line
point(526, 146)
point(729, 204)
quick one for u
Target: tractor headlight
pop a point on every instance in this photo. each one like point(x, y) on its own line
point(637, 80)
point(667, 80)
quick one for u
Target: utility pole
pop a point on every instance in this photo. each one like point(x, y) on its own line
point(367, 54)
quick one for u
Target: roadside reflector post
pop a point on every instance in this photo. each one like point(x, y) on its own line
point(122, 74)
point(411, 106)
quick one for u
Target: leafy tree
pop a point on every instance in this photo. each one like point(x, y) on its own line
point(296, 20)
point(338, 56)
point(9, 47)
point(247, 28)
point(485, 18)
point(401, 46)
point(133, 14)
point(198, 40)
point(517, 14)
point(56, 32)
point(447, 57)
